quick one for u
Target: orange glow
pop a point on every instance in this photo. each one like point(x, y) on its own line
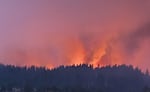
point(75, 52)
point(97, 56)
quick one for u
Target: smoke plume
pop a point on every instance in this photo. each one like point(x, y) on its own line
point(63, 32)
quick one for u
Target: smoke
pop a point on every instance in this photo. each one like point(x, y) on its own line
point(52, 33)
point(134, 39)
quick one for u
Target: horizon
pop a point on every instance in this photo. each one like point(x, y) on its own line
point(76, 65)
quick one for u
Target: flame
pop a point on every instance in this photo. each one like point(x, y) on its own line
point(97, 56)
point(75, 52)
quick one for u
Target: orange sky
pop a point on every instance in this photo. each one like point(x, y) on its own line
point(64, 32)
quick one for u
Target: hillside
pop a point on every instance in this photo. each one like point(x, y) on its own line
point(75, 78)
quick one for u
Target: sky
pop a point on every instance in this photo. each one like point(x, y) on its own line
point(64, 32)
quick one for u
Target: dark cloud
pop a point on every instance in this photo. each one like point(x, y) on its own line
point(134, 39)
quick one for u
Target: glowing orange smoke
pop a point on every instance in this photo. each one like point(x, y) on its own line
point(49, 33)
point(74, 52)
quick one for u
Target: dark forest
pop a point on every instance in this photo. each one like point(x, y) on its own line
point(74, 78)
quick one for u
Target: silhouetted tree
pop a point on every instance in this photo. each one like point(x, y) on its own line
point(74, 78)
point(28, 88)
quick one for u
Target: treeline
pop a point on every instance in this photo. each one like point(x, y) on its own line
point(75, 78)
